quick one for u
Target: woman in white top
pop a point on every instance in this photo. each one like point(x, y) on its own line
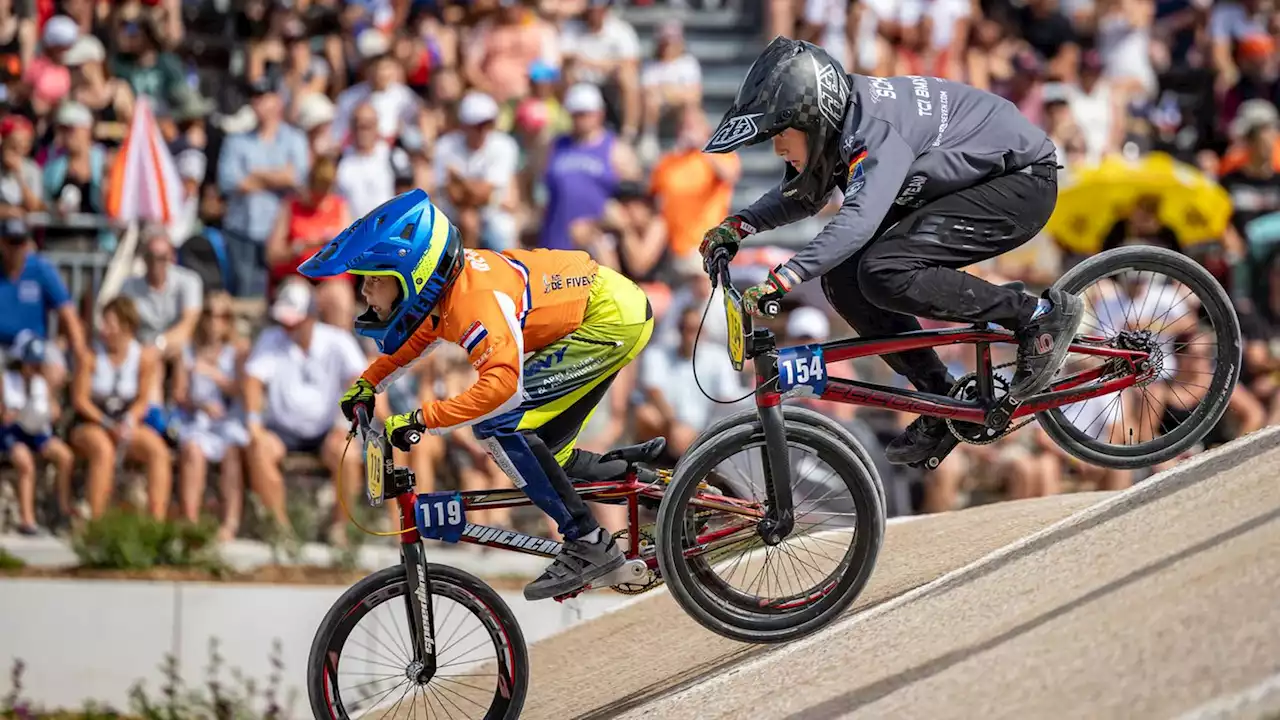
point(26, 429)
point(207, 390)
point(111, 411)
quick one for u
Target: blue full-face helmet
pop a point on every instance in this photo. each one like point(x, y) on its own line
point(406, 238)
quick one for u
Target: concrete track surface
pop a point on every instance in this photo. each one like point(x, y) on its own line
point(1160, 602)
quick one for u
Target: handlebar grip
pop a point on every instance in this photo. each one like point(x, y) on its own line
point(413, 437)
point(362, 417)
point(770, 307)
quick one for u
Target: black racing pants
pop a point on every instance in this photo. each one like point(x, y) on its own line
point(911, 267)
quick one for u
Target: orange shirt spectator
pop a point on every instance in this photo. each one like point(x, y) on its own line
point(693, 189)
point(1255, 116)
point(500, 51)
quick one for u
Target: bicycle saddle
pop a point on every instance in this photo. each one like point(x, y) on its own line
point(643, 452)
point(584, 466)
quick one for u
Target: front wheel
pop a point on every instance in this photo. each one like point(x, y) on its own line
point(719, 568)
point(1164, 303)
point(361, 662)
point(796, 415)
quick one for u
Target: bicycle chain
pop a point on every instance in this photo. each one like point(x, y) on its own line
point(971, 377)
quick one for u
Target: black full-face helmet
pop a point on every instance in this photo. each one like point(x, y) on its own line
point(792, 84)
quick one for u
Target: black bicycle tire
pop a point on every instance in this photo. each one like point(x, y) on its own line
point(1211, 408)
point(796, 414)
point(438, 573)
point(868, 538)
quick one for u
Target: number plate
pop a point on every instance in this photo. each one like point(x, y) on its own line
point(441, 516)
point(802, 368)
point(373, 468)
point(733, 322)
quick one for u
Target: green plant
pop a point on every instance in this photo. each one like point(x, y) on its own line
point(121, 540)
point(10, 562)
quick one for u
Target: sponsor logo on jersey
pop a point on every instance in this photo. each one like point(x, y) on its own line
point(909, 196)
point(474, 336)
point(734, 130)
point(881, 88)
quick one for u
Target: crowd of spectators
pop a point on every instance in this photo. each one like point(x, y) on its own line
point(532, 123)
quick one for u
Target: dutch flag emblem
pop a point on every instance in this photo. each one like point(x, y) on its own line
point(473, 336)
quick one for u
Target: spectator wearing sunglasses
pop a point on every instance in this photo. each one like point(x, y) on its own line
point(167, 297)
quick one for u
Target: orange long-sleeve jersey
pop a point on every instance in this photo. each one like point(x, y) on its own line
point(500, 307)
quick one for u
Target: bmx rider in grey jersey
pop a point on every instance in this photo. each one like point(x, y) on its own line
point(935, 175)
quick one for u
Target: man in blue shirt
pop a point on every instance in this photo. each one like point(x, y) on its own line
point(255, 171)
point(30, 289)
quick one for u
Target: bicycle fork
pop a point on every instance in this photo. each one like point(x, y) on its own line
point(779, 518)
point(417, 600)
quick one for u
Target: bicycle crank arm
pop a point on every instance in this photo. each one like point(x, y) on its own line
point(634, 570)
point(417, 601)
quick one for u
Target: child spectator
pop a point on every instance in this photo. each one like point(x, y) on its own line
point(26, 430)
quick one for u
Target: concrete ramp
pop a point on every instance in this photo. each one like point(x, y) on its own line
point(619, 662)
point(1160, 602)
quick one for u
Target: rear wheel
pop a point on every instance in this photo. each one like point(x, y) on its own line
point(361, 664)
point(1164, 303)
point(720, 570)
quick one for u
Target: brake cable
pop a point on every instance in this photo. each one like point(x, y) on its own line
point(694, 359)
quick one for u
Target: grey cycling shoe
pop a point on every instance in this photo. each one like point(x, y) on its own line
point(1044, 342)
point(579, 562)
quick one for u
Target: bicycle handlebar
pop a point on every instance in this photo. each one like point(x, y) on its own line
point(363, 425)
point(718, 269)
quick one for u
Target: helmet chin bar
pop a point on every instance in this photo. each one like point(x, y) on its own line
point(812, 184)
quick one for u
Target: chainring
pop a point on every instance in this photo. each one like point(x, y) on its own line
point(966, 388)
point(647, 543)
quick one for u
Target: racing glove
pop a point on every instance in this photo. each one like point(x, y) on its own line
point(780, 281)
point(359, 394)
point(728, 234)
point(405, 430)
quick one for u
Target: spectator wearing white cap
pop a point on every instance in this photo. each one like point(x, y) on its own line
point(383, 87)
point(582, 169)
point(365, 175)
point(313, 114)
point(602, 49)
point(73, 175)
point(109, 99)
point(671, 81)
point(45, 74)
point(294, 377)
point(475, 175)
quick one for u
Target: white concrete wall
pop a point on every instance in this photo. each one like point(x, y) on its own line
point(92, 639)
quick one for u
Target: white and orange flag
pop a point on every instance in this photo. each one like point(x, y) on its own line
point(143, 184)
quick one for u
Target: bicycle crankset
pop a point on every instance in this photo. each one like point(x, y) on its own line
point(966, 388)
point(647, 544)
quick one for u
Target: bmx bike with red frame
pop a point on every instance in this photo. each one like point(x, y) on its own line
point(1150, 313)
point(416, 663)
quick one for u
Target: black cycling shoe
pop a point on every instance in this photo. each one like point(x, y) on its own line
point(926, 438)
point(1043, 344)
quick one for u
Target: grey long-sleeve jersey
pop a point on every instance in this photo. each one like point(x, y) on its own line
point(906, 141)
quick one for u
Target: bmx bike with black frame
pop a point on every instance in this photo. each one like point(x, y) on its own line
point(1150, 314)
